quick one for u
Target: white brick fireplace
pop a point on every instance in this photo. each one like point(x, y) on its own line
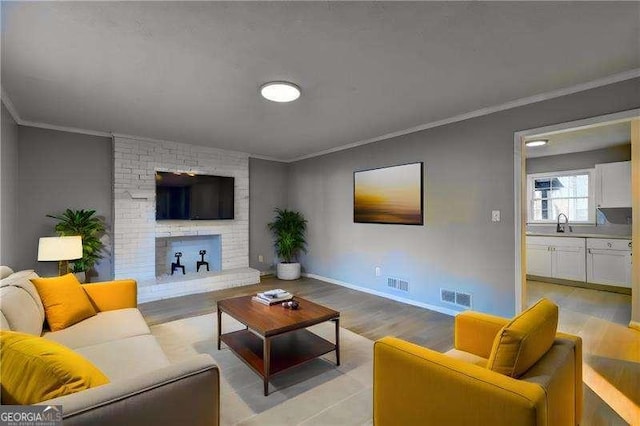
point(135, 229)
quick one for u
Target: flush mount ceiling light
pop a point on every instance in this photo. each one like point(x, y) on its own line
point(280, 91)
point(538, 142)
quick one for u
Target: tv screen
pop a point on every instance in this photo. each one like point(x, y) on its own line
point(193, 197)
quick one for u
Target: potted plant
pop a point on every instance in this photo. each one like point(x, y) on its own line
point(90, 227)
point(288, 229)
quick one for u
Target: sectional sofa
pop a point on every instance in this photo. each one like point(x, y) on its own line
point(144, 386)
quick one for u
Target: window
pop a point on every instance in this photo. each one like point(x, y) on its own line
point(570, 192)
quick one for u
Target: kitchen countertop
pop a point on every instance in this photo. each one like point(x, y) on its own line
point(578, 235)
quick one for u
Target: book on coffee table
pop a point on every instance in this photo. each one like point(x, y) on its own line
point(271, 297)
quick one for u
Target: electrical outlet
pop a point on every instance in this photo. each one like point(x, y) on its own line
point(260, 258)
point(495, 216)
point(378, 272)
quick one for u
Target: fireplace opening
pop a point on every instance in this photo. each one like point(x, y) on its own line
point(188, 255)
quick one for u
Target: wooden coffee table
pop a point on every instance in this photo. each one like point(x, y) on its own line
point(276, 338)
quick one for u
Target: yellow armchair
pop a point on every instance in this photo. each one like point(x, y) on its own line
point(414, 385)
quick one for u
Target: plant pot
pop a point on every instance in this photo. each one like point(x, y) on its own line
point(288, 271)
point(81, 276)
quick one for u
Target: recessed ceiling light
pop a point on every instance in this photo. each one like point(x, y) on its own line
point(539, 142)
point(280, 91)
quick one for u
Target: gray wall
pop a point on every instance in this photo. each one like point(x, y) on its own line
point(60, 170)
point(9, 190)
point(468, 172)
point(268, 185)
point(578, 160)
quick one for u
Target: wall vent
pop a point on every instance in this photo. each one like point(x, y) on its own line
point(463, 299)
point(457, 298)
point(398, 284)
point(448, 296)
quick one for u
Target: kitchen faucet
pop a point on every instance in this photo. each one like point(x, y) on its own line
point(563, 227)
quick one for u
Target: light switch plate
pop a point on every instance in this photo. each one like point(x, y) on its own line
point(495, 216)
point(378, 271)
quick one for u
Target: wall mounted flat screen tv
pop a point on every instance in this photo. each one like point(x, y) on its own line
point(182, 196)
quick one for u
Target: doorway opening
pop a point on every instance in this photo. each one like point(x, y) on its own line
point(577, 195)
point(558, 190)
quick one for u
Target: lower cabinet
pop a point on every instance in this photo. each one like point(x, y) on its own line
point(609, 262)
point(557, 257)
point(569, 263)
point(538, 259)
point(593, 260)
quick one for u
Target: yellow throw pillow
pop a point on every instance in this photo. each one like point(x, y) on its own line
point(524, 340)
point(65, 302)
point(34, 369)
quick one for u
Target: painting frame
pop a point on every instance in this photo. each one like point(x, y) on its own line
point(360, 211)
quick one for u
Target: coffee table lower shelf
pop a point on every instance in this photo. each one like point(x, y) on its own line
point(287, 350)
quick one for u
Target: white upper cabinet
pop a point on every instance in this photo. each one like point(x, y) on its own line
point(613, 187)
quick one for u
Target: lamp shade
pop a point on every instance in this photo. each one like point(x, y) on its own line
point(59, 248)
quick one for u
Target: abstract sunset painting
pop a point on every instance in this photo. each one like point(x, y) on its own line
point(389, 195)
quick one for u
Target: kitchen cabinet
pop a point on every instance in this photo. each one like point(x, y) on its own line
point(538, 257)
point(556, 257)
point(609, 262)
point(613, 184)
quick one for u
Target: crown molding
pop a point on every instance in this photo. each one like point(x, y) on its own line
point(154, 140)
point(267, 158)
point(64, 128)
point(10, 107)
point(21, 122)
point(615, 78)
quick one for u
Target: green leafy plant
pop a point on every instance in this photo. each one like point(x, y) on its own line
point(288, 228)
point(90, 227)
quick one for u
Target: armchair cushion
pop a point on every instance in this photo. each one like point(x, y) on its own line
point(52, 369)
point(474, 332)
point(524, 340)
point(64, 301)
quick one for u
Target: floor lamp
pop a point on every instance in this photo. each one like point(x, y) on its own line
point(60, 249)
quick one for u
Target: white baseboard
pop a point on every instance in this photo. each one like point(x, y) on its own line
point(440, 309)
point(634, 325)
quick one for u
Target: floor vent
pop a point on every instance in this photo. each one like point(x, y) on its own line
point(398, 284)
point(455, 298)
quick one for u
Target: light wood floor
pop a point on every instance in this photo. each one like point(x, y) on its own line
point(370, 316)
point(611, 350)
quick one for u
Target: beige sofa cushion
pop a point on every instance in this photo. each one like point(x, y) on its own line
point(104, 327)
point(4, 324)
point(20, 311)
point(5, 271)
point(125, 358)
point(21, 279)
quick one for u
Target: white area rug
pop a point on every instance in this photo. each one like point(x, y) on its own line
point(315, 393)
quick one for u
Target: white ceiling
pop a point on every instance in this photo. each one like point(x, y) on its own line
point(190, 71)
point(598, 137)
